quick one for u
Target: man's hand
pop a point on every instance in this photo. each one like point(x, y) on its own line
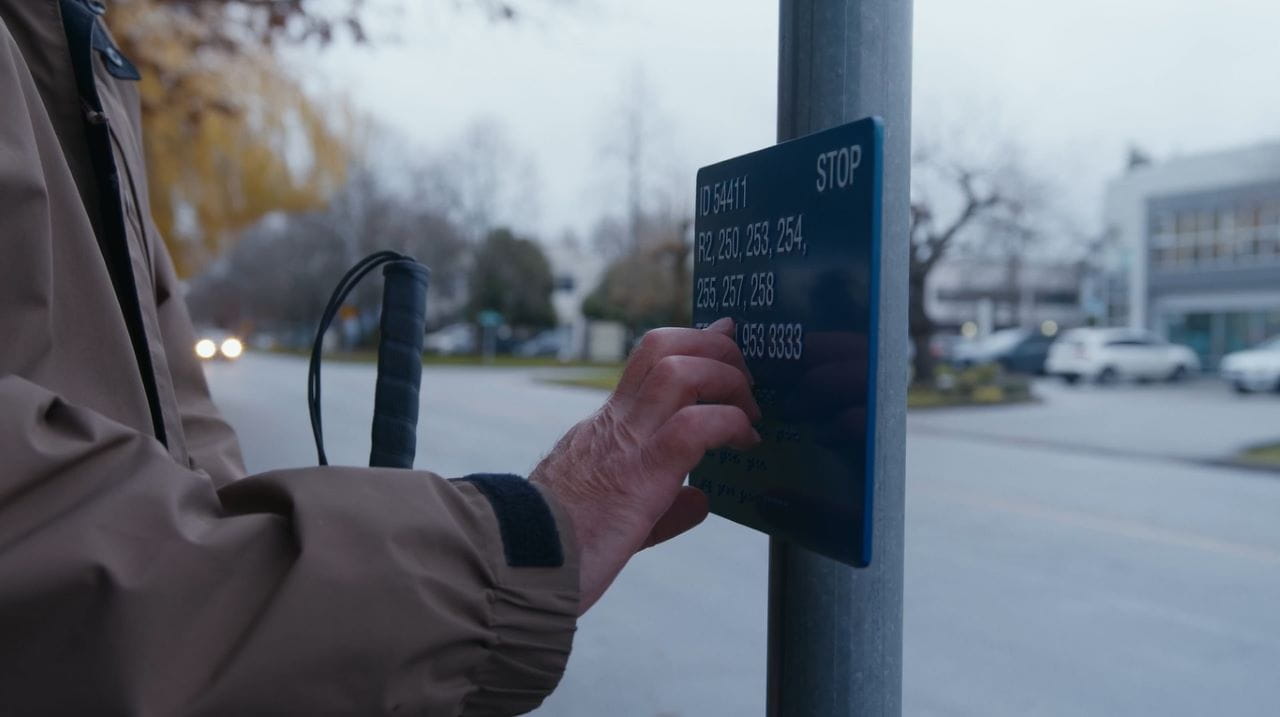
point(619, 474)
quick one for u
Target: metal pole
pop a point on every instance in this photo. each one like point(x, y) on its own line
point(835, 633)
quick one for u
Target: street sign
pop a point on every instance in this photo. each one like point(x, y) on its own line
point(489, 318)
point(787, 243)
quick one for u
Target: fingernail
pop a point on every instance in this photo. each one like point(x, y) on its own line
point(722, 324)
point(756, 433)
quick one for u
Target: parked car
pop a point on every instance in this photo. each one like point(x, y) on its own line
point(549, 343)
point(452, 340)
point(217, 345)
point(943, 346)
point(1016, 350)
point(1257, 369)
point(1108, 355)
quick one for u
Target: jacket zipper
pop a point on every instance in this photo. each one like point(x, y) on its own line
point(120, 265)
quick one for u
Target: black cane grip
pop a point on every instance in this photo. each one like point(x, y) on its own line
point(395, 404)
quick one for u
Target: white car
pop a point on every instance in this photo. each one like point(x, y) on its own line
point(452, 340)
point(1257, 369)
point(1107, 355)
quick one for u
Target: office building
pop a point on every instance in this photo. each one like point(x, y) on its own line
point(1199, 241)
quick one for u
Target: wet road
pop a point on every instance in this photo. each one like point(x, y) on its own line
point(1075, 557)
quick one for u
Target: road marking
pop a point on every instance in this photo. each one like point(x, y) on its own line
point(1121, 527)
point(1089, 450)
point(1179, 618)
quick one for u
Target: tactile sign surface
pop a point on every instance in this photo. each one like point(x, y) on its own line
point(787, 243)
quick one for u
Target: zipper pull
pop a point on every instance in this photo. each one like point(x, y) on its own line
point(93, 116)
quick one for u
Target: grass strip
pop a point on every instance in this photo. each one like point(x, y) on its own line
point(1264, 455)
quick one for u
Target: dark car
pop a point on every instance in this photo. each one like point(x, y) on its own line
point(1016, 350)
point(551, 343)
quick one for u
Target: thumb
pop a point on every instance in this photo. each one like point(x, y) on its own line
point(723, 325)
point(687, 510)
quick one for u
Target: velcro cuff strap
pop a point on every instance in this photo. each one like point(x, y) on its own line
point(529, 535)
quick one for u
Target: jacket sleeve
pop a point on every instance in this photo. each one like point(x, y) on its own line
point(131, 586)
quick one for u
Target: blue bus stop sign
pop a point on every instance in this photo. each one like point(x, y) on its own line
point(489, 318)
point(787, 243)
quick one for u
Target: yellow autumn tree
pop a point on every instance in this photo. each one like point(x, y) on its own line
point(230, 136)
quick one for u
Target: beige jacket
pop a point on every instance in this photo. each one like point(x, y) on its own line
point(140, 572)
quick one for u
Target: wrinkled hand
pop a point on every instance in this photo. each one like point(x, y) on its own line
point(619, 473)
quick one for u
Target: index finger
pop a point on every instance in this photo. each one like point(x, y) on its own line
point(714, 342)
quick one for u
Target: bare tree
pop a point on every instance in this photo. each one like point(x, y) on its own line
point(988, 204)
point(648, 284)
point(636, 145)
point(484, 181)
point(232, 22)
point(635, 138)
point(279, 276)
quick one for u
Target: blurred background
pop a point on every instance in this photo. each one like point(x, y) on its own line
point(1093, 515)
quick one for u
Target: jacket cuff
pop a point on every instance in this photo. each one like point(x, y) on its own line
point(534, 600)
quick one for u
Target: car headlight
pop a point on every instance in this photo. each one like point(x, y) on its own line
point(232, 348)
point(206, 348)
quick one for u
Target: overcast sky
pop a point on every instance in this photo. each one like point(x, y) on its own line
point(1074, 83)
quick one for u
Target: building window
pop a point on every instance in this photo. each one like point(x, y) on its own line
point(1269, 230)
point(1246, 248)
point(1231, 234)
point(1268, 248)
point(1224, 247)
point(1186, 223)
point(1271, 213)
point(1163, 240)
point(1187, 240)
